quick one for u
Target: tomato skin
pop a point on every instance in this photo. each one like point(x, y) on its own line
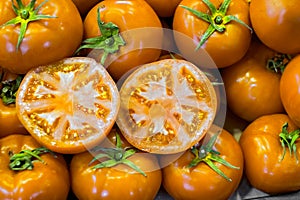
point(224, 48)
point(290, 89)
point(130, 24)
point(164, 8)
point(114, 183)
point(276, 23)
point(201, 182)
point(84, 6)
point(262, 153)
point(44, 181)
point(250, 84)
point(45, 41)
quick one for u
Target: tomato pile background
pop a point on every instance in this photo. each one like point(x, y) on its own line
point(254, 44)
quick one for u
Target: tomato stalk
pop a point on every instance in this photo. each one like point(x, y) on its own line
point(25, 15)
point(109, 41)
point(278, 62)
point(115, 156)
point(25, 159)
point(288, 140)
point(217, 19)
point(208, 155)
point(9, 90)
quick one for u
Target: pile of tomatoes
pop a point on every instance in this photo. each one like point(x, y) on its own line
point(79, 78)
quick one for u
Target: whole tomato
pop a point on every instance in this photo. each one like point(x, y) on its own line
point(219, 27)
point(164, 8)
point(9, 121)
point(37, 32)
point(290, 89)
point(212, 172)
point(124, 34)
point(271, 151)
point(252, 84)
point(276, 23)
point(115, 172)
point(29, 171)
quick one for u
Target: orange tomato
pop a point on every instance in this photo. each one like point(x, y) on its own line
point(166, 106)
point(68, 106)
point(26, 177)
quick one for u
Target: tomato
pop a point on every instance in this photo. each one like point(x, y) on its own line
point(252, 84)
point(24, 176)
point(276, 23)
point(226, 43)
point(9, 122)
point(54, 31)
point(68, 106)
point(166, 106)
point(164, 8)
point(290, 89)
point(190, 177)
point(95, 177)
point(132, 30)
point(85, 6)
point(269, 166)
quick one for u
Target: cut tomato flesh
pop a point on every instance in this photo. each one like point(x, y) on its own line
point(69, 106)
point(166, 106)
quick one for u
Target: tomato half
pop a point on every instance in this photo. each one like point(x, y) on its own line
point(68, 106)
point(166, 106)
point(109, 174)
point(54, 31)
point(276, 23)
point(191, 182)
point(226, 44)
point(269, 166)
point(24, 176)
point(252, 84)
point(132, 35)
point(290, 89)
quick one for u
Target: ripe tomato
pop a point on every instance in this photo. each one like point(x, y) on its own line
point(164, 8)
point(227, 44)
point(276, 23)
point(24, 176)
point(68, 106)
point(290, 89)
point(134, 32)
point(42, 41)
point(267, 167)
point(252, 84)
point(85, 6)
point(95, 176)
point(9, 122)
point(192, 182)
point(166, 106)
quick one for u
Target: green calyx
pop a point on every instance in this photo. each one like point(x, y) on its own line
point(208, 155)
point(115, 156)
point(9, 90)
point(288, 140)
point(109, 41)
point(25, 159)
point(25, 15)
point(278, 62)
point(217, 19)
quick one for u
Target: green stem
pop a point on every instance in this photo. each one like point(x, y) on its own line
point(24, 159)
point(288, 140)
point(217, 19)
point(115, 156)
point(278, 62)
point(24, 15)
point(9, 90)
point(109, 41)
point(208, 155)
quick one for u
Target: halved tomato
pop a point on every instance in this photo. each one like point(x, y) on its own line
point(68, 106)
point(166, 106)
